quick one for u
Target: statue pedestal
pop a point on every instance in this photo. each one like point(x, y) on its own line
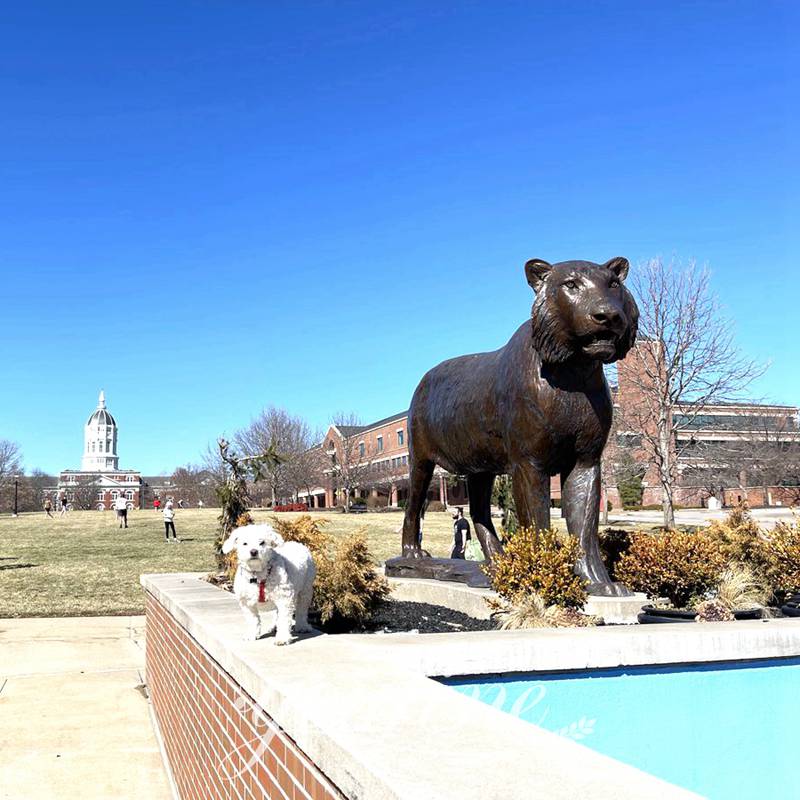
point(616, 610)
point(458, 570)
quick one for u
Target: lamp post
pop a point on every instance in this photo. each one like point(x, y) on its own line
point(16, 494)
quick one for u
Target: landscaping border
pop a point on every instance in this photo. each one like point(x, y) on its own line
point(360, 715)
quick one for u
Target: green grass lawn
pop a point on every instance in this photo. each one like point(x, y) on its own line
point(83, 564)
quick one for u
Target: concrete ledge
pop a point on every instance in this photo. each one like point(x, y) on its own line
point(472, 601)
point(457, 596)
point(366, 713)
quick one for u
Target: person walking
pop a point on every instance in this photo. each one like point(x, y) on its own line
point(48, 507)
point(461, 533)
point(63, 502)
point(169, 521)
point(121, 506)
point(157, 504)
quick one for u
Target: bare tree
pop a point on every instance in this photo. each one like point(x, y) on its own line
point(84, 493)
point(193, 483)
point(686, 355)
point(32, 490)
point(274, 430)
point(348, 456)
point(305, 469)
point(10, 463)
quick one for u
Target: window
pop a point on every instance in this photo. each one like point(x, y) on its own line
point(129, 495)
point(101, 495)
point(361, 449)
point(400, 437)
point(114, 495)
point(380, 444)
point(108, 446)
point(405, 460)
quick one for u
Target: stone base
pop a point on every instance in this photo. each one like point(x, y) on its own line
point(440, 569)
point(616, 610)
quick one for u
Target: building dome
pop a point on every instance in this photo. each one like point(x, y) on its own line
point(101, 417)
point(100, 440)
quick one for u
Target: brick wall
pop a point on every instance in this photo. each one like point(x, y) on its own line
point(219, 743)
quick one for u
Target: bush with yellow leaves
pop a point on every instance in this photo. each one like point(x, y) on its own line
point(683, 567)
point(738, 538)
point(780, 556)
point(541, 563)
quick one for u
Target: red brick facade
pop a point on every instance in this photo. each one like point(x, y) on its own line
point(220, 745)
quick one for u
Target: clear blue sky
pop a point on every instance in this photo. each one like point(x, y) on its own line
point(210, 207)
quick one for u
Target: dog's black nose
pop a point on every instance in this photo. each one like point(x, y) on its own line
point(254, 552)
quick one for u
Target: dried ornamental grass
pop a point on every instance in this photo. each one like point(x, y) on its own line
point(530, 611)
point(740, 589)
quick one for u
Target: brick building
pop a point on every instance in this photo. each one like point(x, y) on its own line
point(705, 446)
point(732, 451)
point(378, 458)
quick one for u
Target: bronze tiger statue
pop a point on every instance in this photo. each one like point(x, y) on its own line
point(537, 407)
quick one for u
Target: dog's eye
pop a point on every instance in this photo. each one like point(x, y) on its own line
point(261, 544)
point(244, 544)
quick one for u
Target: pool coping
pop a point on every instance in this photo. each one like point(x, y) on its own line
point(364, 709)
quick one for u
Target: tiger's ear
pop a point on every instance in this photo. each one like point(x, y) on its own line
point(619, 266)
point(536, 271)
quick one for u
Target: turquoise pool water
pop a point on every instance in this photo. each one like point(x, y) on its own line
point(722, 730)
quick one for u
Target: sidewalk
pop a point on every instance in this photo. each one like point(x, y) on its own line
point(74, 722)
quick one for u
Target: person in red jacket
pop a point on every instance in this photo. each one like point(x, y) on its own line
point(157, 504)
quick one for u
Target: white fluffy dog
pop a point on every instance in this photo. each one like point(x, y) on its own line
point(275, 571)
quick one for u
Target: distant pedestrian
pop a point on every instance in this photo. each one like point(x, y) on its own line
point(200, 504)
point(63, 502)
point(169, 521)
point(461, 533)
point(48, 507)
point(121, 506)
point(157, 504)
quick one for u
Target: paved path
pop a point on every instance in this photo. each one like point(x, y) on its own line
point(766, 517)
point(74, 722)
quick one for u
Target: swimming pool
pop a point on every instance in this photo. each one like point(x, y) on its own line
point(721, 730)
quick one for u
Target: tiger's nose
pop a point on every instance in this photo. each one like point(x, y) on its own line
point(254, 552)
point(607, 317)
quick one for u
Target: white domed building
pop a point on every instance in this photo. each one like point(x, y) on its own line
point(99, 482)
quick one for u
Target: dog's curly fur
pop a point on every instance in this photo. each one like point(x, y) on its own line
point(287, 572)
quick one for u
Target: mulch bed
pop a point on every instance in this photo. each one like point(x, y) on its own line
point(398, 616)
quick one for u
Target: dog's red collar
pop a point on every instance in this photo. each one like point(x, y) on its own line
point(262, 597)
